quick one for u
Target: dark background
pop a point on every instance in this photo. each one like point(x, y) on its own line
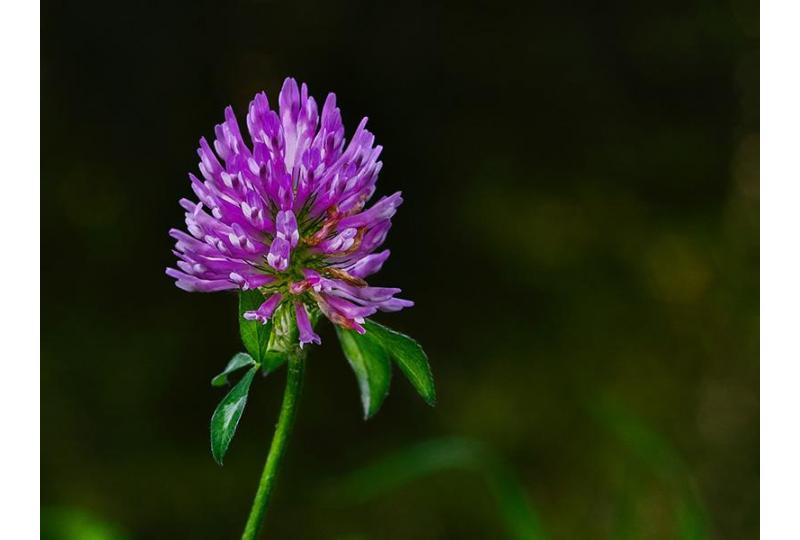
point(580, 234)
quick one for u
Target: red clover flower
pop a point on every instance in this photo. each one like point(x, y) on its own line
point(284, 221)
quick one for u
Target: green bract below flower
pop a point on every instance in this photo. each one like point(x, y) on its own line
point(285, 221)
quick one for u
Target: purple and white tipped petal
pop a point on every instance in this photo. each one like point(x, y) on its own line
point(375, 236)
point(265, 310)
point(307, 334)
point(334, 315)
point(209, 165)
point(360, 296)
point(366, 266)
point(191, 283)
point(266, 132)
point(229, 144)
point(279, 253)
point(289, 104)
point(341, 242)
point(395, 304)
point(376, 294)
point(247, 280)
point(311, 275)
point(279, 186)
point(306, 129)
point(349, 309)
point(286, 227)
point(256, 114)
point(330, 139)
point(382, 210)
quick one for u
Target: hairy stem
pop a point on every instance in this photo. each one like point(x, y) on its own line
point(294, 383)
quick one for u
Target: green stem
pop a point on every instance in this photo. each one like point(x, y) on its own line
point(294, 383)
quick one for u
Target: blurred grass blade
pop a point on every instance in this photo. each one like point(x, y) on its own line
point(513, 503)
point(410, 358)
point(227, 414)
point(370, 362)
point(239, 360)
point(660, 459)
point(68, 523)
point(431, 457)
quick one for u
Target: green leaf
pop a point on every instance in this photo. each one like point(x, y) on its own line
point(370, 362)
point(255, 336)
point(227, 414)
point(272, 361)
point(239, 360)
point(409, 356)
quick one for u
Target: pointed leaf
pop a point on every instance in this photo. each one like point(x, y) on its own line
point(254, 334)
point(239, 360)
point(227, 414)
point(409, 356)
point(370, 362)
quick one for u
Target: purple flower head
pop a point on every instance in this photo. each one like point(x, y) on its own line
point(286, 214)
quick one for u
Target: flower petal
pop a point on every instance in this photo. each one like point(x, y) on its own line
point(265, 310)
point(279, 252)
point(307, 334)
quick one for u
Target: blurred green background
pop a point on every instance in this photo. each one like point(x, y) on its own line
point(580, 234)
